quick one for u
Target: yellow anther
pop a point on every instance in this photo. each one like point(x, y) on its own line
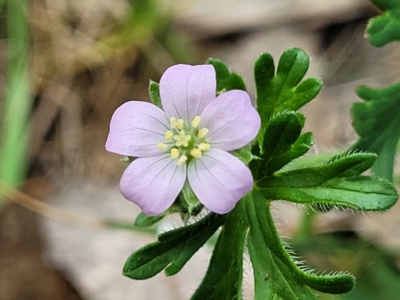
point(168, 135)
point(202, 132)
point(204, 146)
point(196, 153)
point(179, 124)
point(196, 122)
point(181, 160)
point(162, 145)
point(182, 139)
point(174, 153)
point(172, 122)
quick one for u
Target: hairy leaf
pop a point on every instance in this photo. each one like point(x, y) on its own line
point(172, 250)
point(337, 183)
point(223, 280)
point(377, 279)
point(276, 274)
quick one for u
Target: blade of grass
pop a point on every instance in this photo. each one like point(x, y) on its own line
point(17, 100)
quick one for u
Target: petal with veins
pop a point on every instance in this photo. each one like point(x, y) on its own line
point(186, 90)
point(153, 183)
point(231, 120)
point(136, 128)
point(219, 180)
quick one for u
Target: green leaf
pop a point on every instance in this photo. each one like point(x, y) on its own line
point(284, 90)
point(335, 183)
point(377, 279)
point(276, 274)
point(143, 220)
point(226, 80)
point(223, 280)
point(385, 28)
point(237, 82)
point(377, 122)
point(154, 92)
point(282, 143)
point(172, 250)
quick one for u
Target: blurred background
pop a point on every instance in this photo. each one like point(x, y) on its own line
point(66, 65)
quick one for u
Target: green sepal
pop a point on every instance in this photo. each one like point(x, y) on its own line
point(385, 28)
point(336, 183)
point(127, 159)
point(189, 200)
point(276, 274)
point(377, 122)
point(223, 280)
point(284, 90)
point(143, 220)
point(282, 143)
point(154, 92)
point(172, 250)
point(226, 80)
point(244, 154)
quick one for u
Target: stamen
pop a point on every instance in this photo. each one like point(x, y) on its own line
point(196, 153)
point(172, 122)
point(182, 139)
point(168, 135)
point(202, 132)
point(182, 160)
point(204, 146)
point(174, 153)
point(196, 122)
point(179, 124)
point(162, 145)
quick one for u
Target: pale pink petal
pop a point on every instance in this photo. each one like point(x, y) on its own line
point(232, 121)
point(136, 128)
point(153, 183)
point(186, 90)
point(219, 180)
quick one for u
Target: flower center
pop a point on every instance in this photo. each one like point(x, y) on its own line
point(185, 141)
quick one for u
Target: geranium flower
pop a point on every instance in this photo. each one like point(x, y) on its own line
point(189, 139)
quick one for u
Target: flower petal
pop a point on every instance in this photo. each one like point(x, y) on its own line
point(136, 128)
point(232, 121)
point(153, 183)
point(186, 90)
point(219, 180)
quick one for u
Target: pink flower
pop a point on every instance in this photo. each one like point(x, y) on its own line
point(190, 140)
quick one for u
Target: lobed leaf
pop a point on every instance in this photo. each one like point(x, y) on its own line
point(336, 183)
point(223, 280)
point(172, 250)
point(377, 122)
point(385, 28)
point(376, 279)
point(226, 80)
point(276, 274)
point(282, 143)
point(283, 90)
